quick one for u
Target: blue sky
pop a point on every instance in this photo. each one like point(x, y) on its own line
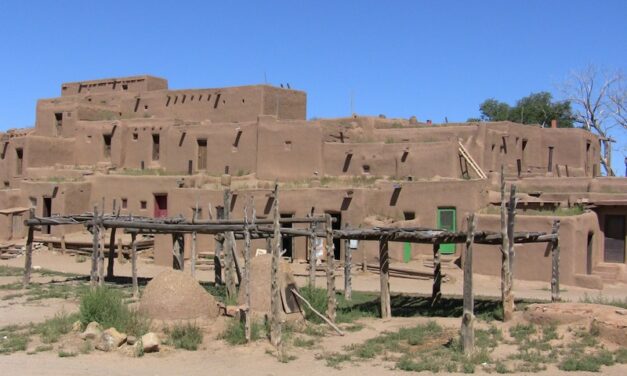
point(400, 58)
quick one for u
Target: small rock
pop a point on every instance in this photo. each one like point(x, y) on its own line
point(131, 351)
point(93, 331)
point(77, 326)
point(130, 340)
point(150, 342)
point(113, 337)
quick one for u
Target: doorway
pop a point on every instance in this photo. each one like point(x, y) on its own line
point(447, 220)
point(202, 154)
point(286, 241)
point(614, 239)
point(47, 212)
point(589, 253)
point(161, 205)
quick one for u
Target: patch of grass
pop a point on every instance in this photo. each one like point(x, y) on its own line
point(600, 299)
point(11, 286)
point(334, 359)
point(10, 271)
point(235, 333)
point(188, 336)
point(12, 296)
point(51, 330)
point(620, 355)
point(522, 332)
point(302, 342)
point(43, 348)
point(587, 362)
point(66, 354)
point(13, 339)
point(104, 305)
point(318, 300)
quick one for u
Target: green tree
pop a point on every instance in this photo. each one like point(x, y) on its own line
point(536, 108)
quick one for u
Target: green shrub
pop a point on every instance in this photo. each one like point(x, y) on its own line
point(187, 336)
point(235, 333)
point(66, 354)
point(105, 306)
point(318, 300)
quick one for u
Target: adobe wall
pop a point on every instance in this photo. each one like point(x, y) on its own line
point(573, 240)
point(136, 84)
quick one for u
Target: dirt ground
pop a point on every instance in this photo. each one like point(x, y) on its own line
point(216, 357)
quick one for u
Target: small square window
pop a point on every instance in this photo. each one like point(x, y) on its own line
point(124, 87)
point(124, 203)
point(143, 204)
point(135, 136)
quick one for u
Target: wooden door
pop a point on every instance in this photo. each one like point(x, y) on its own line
point(161, 205)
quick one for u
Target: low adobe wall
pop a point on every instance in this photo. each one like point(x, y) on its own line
point(532, 262)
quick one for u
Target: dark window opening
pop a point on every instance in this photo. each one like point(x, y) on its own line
point(184, 97)
point(58, 121)
point(124, 203)
point(589, 253)
point(215, 105)
point(106, 138)
point(237, 138)
point(347, 162)
point(614, 238)
point(161, 205)
point(143, 204)
point(135, 136)
point(7, 184)
point(124, 87)
point(409, 215)
point(191, 98)
point(20, 161)
point(366, 169)
point(337, 225)
point(136, 104)
point(287, 243)
point(155, 147)
point(167, 103)
point(145, 107)
point(549, 166)
point(199, 97)
point(176, 99)
point(47, 212)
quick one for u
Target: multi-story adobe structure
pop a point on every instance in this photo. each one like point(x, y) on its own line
point(158, 152)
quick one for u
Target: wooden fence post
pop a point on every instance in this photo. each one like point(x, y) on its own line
point(467, 329)
point(193, 258)
point(103, 235)
point(63, 246)
point(246, 279)
point(508, 301)
point(134, 265)
point(111, 255)
point(229, 262)
point(348, 268)
point(312, 255)
point(93, 276)
point(506, 298)
point(217, 264)
point(436, 293)
point(275, 298)
point(384, 273)
point(28, 260)
point(331, 301)
point(555, 263)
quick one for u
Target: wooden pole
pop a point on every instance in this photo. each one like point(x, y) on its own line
point(229, 263)
point(506, 296)
point(63, 246)
point(111, 255)
point(275, 298)
point(312, 256)
point(134, 266)
point(508, 301)
point(384, 274)
point(331, 324)
point(436, 293)
point(103, 234)
point(93, 277)
point(555, 264)
point(193, 260)
point(331, 302)
point(217, 264)
point(348, 261)
point(28, 260)
point(178, 249)
point(467, 329)
point(246, 279)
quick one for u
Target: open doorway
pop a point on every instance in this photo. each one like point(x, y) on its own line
point(589, 253)
point(47, 211)
point(614, 238)
point(286, 241)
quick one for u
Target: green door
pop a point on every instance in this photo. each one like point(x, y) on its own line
point(406, 252)
point(447, 220)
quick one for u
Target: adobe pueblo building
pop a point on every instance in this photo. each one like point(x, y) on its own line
point(167, 153)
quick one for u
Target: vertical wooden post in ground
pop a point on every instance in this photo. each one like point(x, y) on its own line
point(101, 249)
point(93, 277)
point(468, 330)
point(111, 255)
point(384, 274)
point(134, 265)
point(555, 263)
point(312, 255)
point(275, 298)
point(507, 300)
point(178, 262)
point(229, 262)
point(63, 246)
point(246, 279)
point(348, 269)
point(436, 293)
point(28, 259)
point(193, 258)
point(331, 303)
point(217, 264)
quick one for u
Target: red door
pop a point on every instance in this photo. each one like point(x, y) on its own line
point(161, 206)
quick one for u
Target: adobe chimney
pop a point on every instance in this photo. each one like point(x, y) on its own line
point(554, 123)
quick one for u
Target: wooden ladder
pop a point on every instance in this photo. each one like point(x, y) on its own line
point(464, 153)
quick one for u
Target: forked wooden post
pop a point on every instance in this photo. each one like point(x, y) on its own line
point(111, 255)
point(28, 260)
point(384, 273)
point(134, 265)
point(312, 255)
point(555, 263)
point(348, 269)
point(467, 329)
point(275, 298)
point(93, 276)
point(229, 262)
point(436, 293)
point(331, 301)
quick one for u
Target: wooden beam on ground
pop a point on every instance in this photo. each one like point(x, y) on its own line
point(555, 263)
point(324, 318)
point(384, 274)
point(28, 259)
point(467, 328)
point(331, 300)
point(436, 293)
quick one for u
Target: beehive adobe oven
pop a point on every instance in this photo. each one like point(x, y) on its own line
point(158, 152)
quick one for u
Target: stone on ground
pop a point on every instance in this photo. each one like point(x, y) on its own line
point(150, 342)
point(92, 332)
point(174, 295)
